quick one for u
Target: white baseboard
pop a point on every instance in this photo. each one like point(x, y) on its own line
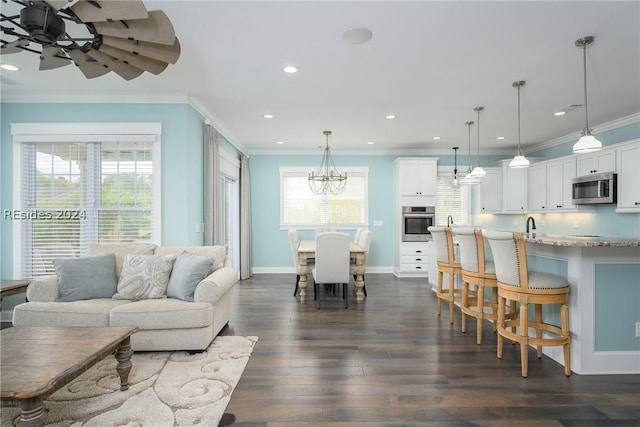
point(292, 270)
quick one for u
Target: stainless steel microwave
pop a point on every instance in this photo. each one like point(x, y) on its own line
point(596, 188)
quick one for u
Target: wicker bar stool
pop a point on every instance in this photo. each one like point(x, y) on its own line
point(447, 263)
point(480, 273)
point(517, 284)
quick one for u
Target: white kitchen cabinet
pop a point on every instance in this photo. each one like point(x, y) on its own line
point(418, 177)
point(414, 259)
point(560, 173)
point(514, 189)
point(596, 162)
point(489, 192)
point(538, 187)
point(628, 161)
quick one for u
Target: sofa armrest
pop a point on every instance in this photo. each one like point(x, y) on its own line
point(43, 289)
point(215, 285)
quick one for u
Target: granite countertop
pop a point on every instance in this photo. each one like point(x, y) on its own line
point(583, 240)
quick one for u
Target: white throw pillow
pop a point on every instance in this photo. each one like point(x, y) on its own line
point(144, 277)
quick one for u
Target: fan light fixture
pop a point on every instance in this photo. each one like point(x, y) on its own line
point(519, 161)
point(455, 183)
point(587, 142)
point(478, 172)
point(123, 36)
point(327, 179)
point(469, 179)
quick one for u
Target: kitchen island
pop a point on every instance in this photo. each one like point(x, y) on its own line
point(604, 276)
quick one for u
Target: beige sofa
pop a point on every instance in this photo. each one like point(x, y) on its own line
point(165, 323)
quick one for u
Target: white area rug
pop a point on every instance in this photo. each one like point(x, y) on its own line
point(165, 389)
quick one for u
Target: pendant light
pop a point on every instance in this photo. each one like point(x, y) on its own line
point(327, 179)
point(469, 179)
point(587, 142)
point(455, 183)
point(519, 161)
point(478, 172)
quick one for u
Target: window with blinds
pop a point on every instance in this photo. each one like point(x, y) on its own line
point(300, 207)
point(450, 200)
point(77, 193)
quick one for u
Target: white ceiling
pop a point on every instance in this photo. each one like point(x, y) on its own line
point(430, 63)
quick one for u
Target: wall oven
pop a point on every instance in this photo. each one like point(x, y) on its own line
point(415, 221)
point(597, 188)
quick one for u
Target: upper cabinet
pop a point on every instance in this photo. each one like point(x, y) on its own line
point(514, 189)
point(538, 187)
point(489, 192)
point(418, 177)
point(560, 173)
point(628, 161)
point(597, 162)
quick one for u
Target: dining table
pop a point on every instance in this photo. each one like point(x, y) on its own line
point(307, 251)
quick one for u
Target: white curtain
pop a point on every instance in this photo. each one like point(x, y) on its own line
point(245, 219)
point(212, 226)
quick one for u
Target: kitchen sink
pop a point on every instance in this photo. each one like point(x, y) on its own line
point(583, 235)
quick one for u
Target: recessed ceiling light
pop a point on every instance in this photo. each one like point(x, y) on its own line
point(370, 142)
point(279, 142)
point(356, 35)
point(436, 138)
point(9, 67)
point(500, 138)
point(390, 116)
point(559, 113)
point(268, 116)
point(290, 69)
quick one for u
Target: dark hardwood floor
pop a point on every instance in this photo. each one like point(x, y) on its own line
point(390, 361)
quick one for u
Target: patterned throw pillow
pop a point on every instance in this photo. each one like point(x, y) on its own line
point(144, 276)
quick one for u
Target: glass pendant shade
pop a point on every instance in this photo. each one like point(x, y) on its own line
point(519, 162)
point(587, 142)
point(478, 172)
point(470, 180)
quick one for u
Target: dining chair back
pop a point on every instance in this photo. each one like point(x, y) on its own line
point(294, 242)
point(326, 229)
point(332, 262)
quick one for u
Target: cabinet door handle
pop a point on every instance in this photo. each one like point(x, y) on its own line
point(418, 259)
point(418, 268)
point(543, 207)
point(637, 203)
point(418, 251)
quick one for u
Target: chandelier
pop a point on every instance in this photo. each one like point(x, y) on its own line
point(327, 179)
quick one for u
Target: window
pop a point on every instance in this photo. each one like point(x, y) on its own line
point(299, 207)
point(450, 200)
point(75, 190)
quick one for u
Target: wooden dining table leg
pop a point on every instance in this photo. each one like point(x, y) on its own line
point(303, 271)
point(359, 270)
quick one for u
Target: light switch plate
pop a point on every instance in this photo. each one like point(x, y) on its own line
point(378, 223)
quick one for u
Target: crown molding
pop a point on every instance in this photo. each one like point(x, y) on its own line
point(613, 124)
point(201, 109)
point(98, 98)
point(373, 152)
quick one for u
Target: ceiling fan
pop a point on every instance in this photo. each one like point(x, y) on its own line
point(122, 36)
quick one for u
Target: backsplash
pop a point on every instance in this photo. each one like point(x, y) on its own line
point(604, 221)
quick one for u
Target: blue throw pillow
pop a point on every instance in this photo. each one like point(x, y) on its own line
point(86, 278)
point(188, 271)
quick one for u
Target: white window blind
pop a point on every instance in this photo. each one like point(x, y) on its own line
point(78, 193)
point(450, 200)
point(300, 207)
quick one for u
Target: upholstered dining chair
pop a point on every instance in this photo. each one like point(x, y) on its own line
point(362, 239)
point(519, 285)
point(332, 263)
point(326, 229)
point(480, 273)
point(448, 264)
point(294, 242)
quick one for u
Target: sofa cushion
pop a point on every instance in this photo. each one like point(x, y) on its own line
point(86, 278)
point(217, 252)
point(120, 250)
point(167, 313)
point(188, 271)
point(144, 276)
point(93, 312)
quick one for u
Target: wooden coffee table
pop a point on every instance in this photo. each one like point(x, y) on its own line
point(35, 362)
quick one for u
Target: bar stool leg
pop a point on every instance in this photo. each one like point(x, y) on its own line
point(501, 308)
point(524, 337)
point(566, 348)
point(439, 299)
point(464, 303)
point(451, 296)
point(538, 308)
point(480, 313)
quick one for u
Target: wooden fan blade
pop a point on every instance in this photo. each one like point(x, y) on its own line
point(89, 66)
point(14, 46)
point(126, 71)
point(53, 57)
point(58, 4)
point(155, 29)
point(159, 52)
point(106, 10)
point(142, 62)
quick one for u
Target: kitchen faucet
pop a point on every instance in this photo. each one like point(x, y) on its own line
point(533, 224)
point(450, 221)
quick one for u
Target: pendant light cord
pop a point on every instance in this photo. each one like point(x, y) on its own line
point(469, 147)
point(586, 104)
point(519, 149)
point(478, 109)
